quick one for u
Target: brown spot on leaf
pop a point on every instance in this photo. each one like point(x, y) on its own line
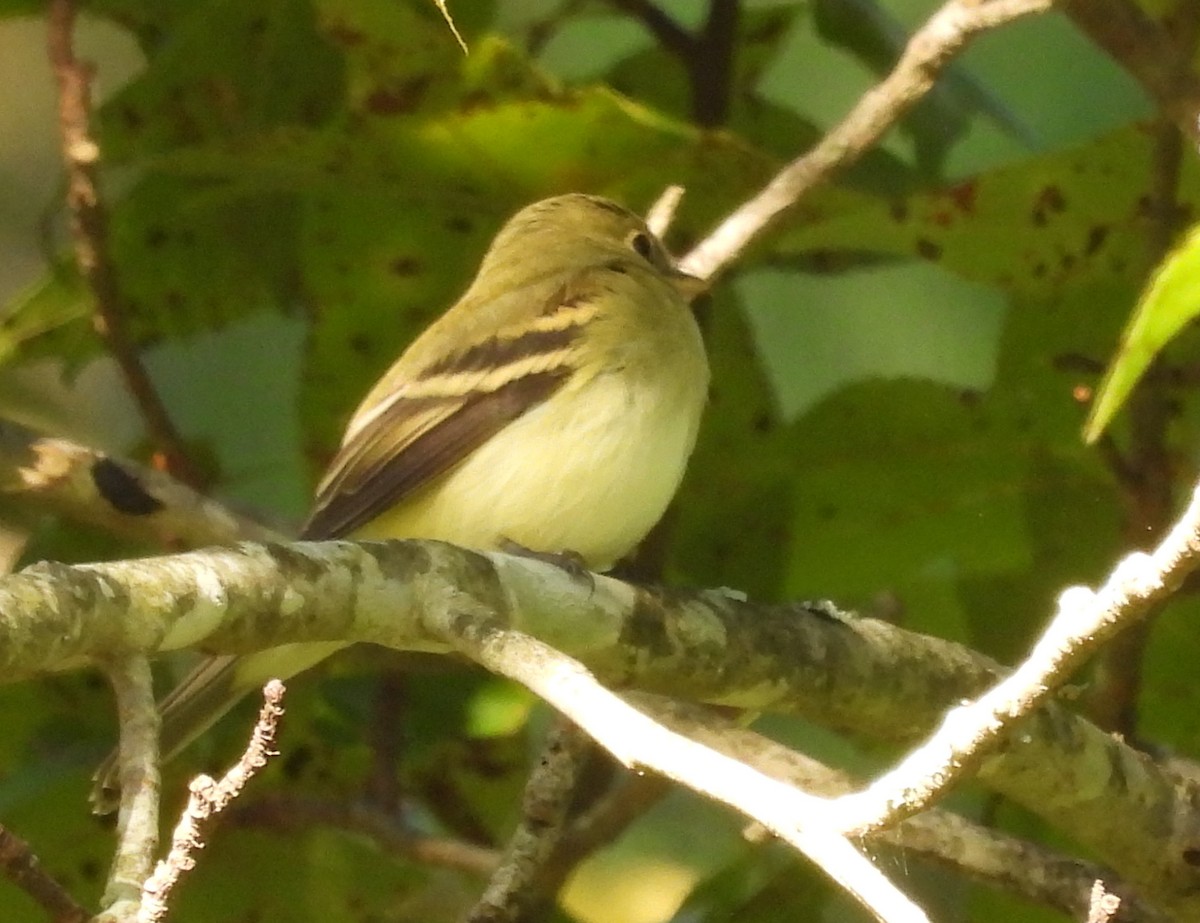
point(1049, 202)
point(927, 249)
point(344, 35)
point(405, 266)
point(963, 196)
point(399, 99)
point(1095, 239)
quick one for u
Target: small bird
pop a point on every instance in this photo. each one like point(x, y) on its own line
point(552, 408)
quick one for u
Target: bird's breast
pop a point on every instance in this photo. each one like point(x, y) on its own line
point(590, 470)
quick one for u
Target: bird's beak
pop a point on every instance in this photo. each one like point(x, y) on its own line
point(688, 286)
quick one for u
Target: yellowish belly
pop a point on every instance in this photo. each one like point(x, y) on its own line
point(589, 471)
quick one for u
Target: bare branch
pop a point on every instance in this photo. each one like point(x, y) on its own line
point(208, 798)
point(1084, 622)
point(23, 869)
point(937, 42)
point(89, 227)
point(514, 888)
point(638, 741)
point(137, 822)
point(387, 830)
point(990, 856)
point(116, 495)
point(662, 212)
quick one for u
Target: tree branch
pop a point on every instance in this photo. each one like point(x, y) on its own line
point(931, 48)
point(23, 869)
point(388, 831)
point(89, 228)
point(849, 674)
point(208, 798)
point(119, 496)
point(639, 742)
point(1148, 52)
point(514, 889)
point(137, 822)
point(990, 856)
point(1084, 623)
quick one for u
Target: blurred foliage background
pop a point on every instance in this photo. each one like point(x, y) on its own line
point(901, 373)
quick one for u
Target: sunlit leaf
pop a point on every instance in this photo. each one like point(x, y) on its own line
point(1169, 303)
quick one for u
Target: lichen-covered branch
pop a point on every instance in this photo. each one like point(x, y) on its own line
point(859, 675)
point(119, 496)
point(137, 822)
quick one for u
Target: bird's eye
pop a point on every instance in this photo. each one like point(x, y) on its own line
point(642, 246)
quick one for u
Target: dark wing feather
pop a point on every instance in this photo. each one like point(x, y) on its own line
point(361, 493)
point(443, 409)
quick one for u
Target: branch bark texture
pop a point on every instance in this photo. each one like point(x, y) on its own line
point(857, 675)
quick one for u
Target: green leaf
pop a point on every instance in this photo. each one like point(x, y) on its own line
point(1169, 303)
point(57, 299)
point(223, 69)
point(1068, 218)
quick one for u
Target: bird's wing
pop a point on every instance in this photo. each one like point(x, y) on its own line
point(438, 414)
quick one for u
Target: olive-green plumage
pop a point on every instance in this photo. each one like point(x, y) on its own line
point(553, 407)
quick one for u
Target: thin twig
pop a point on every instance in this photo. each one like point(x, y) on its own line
point(514, 889)
point(137, 822)
point(23, 869)
point(386, 829)
point(89, 229)
point(669, 34)
point(630, 798)
point(928, 52)
point(208, 798)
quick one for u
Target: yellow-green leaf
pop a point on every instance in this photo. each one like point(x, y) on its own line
point(1170, 301)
